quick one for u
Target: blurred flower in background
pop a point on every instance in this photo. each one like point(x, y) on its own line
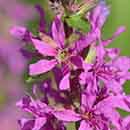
point(12, 63)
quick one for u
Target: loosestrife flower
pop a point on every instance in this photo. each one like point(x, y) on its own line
point(99, 68)
point(87, 83)
point(95, 114)
point(55, 49)
point(42, 113)
point(59, 53)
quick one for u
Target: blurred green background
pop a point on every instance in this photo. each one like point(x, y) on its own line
point(12, 86)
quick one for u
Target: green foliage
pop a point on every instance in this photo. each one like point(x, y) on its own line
point(71, 126)
point(3, 98)
point(77, 22)
point(123, 113)
point(127, 87)
point(33, 26)
point(33, 1)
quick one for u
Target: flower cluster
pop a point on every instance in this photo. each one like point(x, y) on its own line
point(85, 82)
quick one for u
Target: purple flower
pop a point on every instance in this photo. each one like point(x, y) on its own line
point(113, 74)
point(126, 123)
point(97, 17)
point(97, 115)
point(100, 70)
point(90, 74)
point(57, 51)
point(21, 33)
point(42, 116)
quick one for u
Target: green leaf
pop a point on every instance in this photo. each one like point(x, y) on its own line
point(77, 22)
point(123, 113)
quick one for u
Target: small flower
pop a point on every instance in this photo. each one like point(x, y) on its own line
point(101, 70)
point(113, 74)
point(42, 116)
point(57, 51)
point(96, 115)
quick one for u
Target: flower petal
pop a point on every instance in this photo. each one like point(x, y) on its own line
point(39, 122)
point(41, 66)
point(126, 122)
point(42, 23)
point(113, 116)
point(115, 35)
point(24, 102)
point(123, 63)
point(47, 39)
point(77, 61)
point(65, 82)
point(84, 42)
point(57, 75)
point(87, 100)
point(99, 15)
point(67, 115)
point(44, 48)
point(58, 32)
point(113, 52)
point(114, 86)
point(100, 50)
point(119, 101)
point(18, 31)
point(84, 126)
point(26, 124)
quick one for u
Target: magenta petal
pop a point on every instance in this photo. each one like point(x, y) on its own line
point(84, 126)
point(99, 15)
point(42, 23)
point(115, 35)
point(113, 116)
point(67, 115)
point(114, 86)
point(23, 121)
point(119, 101)
point(120, 30)
point(18, 32)
point(65, 69)
point(113, 52)
point(41, 66)
point(85, 41)
point(65, 82)
point(126, 122)
point(123, 63)
point(87, 100)
point(77, 61)
point(44, 48)
point(39, 122)
point(58, 32)
point(100, 50)
point(26, 124)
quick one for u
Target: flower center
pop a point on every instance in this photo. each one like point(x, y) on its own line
point(87, 116)
point(62, 55)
